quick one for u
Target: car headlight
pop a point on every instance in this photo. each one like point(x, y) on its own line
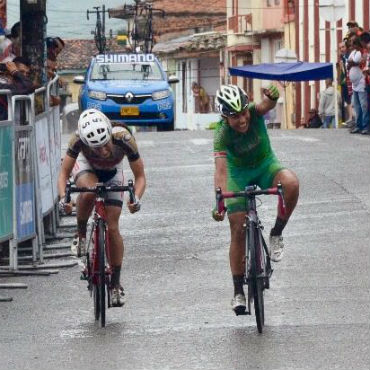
point(99, 95)
point(160, 94)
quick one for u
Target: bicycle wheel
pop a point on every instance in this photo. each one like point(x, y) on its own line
point(101, 267)
point(255, 283)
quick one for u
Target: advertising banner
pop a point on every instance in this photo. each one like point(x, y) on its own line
point(25, 198)
point(43, 162)
point(6, 181)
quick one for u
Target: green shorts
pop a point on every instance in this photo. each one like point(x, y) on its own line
point(239, 178)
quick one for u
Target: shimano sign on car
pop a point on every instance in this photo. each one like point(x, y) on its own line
point(129, 88)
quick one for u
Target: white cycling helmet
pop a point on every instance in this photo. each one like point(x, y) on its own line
point(94, 128)
point(231, 100)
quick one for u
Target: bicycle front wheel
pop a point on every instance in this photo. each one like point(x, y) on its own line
point(255, 282)
point(101, 268)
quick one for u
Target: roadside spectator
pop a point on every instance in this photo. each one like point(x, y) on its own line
point(54, 46)
point(314, 120)
point(353, 27)
point(327, 105)
point(201, 98)
point(346, 85)
point(15, 38)
point(360, 102)
point(14, 76)
point(365, 40)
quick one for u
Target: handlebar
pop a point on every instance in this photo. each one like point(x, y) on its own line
point(250, 192)
point(100, 189)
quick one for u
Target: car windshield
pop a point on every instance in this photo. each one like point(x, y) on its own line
point(126, 71)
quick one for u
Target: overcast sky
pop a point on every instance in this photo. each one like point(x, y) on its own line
point(67, 18)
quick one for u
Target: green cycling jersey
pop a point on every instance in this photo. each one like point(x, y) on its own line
point(249, 157)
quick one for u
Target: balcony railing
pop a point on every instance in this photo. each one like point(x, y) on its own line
point(240, 23)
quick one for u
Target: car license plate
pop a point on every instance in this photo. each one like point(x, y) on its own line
point(130, 111)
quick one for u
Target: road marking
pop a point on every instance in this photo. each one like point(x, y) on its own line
point(146, 143)
point(201, 141)
point(154, 169)
point(299, 138)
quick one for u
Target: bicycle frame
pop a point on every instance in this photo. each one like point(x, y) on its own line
point(99, 213)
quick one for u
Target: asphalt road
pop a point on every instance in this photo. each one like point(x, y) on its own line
point(177, 278)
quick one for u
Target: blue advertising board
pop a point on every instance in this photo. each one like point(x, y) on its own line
point(25, 197)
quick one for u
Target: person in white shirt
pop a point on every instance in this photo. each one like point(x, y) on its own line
point(357, 78)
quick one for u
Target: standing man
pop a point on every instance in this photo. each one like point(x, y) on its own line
point(95, 154)
point(243, 156)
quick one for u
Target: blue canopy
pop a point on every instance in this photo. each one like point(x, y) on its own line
point(298, 71)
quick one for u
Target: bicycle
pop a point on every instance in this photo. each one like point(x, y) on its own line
point(98, 271)
point(99, 33)
point(257, 261)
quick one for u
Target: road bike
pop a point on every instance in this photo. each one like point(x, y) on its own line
point(98, 271)
point(257, 261)
point(99, 32)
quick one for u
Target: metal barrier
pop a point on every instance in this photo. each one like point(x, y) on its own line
point(30, 155)
point(24, 180)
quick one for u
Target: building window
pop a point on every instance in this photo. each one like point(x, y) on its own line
point(269, 3)
point(277, 2)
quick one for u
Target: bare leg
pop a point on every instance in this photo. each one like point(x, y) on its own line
point(290, 184)
point(85, 201)
point(237, 245)
point(115, 238)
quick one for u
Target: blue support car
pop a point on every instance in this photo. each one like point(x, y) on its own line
point(129, 88)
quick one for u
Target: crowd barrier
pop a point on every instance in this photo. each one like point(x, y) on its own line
point(30, 158)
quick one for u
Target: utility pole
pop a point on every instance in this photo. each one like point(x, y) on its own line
point(33, 30)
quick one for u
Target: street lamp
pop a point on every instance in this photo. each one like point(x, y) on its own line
point(332, 11)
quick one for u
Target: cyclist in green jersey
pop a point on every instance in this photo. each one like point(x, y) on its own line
point(243, 156)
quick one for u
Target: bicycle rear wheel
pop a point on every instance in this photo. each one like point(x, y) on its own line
point(255, 281)
point(101, 277)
